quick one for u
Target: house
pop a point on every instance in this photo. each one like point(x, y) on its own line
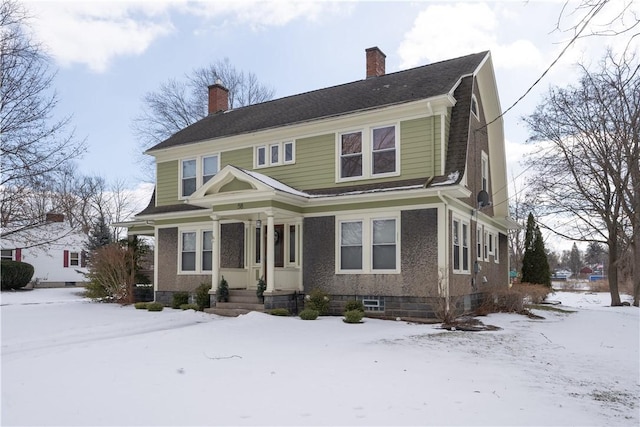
point(54, 249)
point(391, 190)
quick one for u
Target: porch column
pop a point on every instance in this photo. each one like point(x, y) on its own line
point(215, 253)
point(270, 254)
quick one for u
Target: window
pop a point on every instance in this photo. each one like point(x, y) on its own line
point(384, 150)
point(460, 245)
point(207, 250)
point(292, 244)
point(351, 155)
point(368, 153)
point(188, 251)
point(372, 303)
point(275, 154)
point(384, 244)
point(479, 242)
point(474, 107)
point(496, 255)
point(261, 156)
point(74, 259)
point(486, 246)
point(368, 245)
point(188, 177)
point(209, 167)
point(485, 172)
point(6, 254)
point(278, 154)
point(197, 171)
point(351, 245)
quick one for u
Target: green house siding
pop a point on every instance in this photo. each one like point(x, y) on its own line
point(242, 158)
point(167, 183)
point(315, 161)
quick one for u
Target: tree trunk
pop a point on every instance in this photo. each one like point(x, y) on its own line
point(612, 271)
point(635, 247)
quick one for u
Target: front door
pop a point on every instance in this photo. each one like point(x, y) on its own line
point(278, 247)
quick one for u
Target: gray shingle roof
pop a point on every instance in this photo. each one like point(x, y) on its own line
point(394, 88)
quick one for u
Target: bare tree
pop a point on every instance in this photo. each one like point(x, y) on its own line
point(32, 143)
point(585, 174)
point(178, 104)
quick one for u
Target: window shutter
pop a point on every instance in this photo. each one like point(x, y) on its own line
point(18, 254)
point(65, 261)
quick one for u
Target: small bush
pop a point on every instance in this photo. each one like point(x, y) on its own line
point(512, 300)
point(280, 312)
point(202, 296)
point(179, 298)
point(262, 286)
point(353, 316)
point(141, 305)
point(15, 274)
point(154, 306)
point(309, 314)
point(223, 291)
point(354, 305)
point(317, 300)
point(189, 307)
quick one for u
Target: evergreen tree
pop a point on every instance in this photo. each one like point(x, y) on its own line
point(535, 266)
point(575, 260)
point(99, 236)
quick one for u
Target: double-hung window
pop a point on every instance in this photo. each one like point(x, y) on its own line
point(479, 242)
point(460, 245)
point(195, 172)
point(280, 153)
point(188, 251)
point(384, 150)
point(368, 245)
point(485, 171)
point(351, 155)
point(367, 153)
point(207, 250)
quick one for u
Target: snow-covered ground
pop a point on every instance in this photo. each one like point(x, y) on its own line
point(67, 361)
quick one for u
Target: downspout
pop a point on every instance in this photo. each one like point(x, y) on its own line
point(443, 271)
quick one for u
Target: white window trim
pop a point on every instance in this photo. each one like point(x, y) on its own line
point(199, 172)
point(476, 113)
point(199, 231)
point(367, 153)
point(287, 246)
point(72, 259)
point(281, 152)
point(461, 221)
point(479, 235)
point(484, 171)
point(485, 245)
point(367, 242)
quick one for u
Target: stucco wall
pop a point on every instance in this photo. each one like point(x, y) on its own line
point(232, 247)
point(418, 277)
point(168, 279)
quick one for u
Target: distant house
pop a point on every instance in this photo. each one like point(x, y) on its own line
point(55, 250)
point(391, 190)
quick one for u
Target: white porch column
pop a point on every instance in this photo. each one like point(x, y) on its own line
point(270, 254)
point(215, 253)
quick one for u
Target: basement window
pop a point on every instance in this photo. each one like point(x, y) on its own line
point(372, 303)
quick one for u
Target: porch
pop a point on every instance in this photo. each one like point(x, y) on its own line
point(243, 301)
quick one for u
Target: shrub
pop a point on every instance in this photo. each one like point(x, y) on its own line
point(110, 273)
point(223, 291)
point(202, 296)
point(179, 298)
point(154, 306)
point(189, 307)
point(141, 305)
point(512, 300)
point(280, 312)
point(317, 300)
point(354, 305)
point(262, 286)
point(353, 316)
point(309, 314)
point(15, 274)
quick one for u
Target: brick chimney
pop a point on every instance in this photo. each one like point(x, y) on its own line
point(54, 217)
point(218, 98)
point(375, 62)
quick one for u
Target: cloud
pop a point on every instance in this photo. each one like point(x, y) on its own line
point(94, 33)
point(448, 30)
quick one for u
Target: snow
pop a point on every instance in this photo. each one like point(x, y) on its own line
point(452, 178)
point(68, 361)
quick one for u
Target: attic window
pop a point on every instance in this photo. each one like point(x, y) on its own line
point(279, 153)
point(474, 107)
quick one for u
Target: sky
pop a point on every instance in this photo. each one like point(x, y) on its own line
point(109, 54)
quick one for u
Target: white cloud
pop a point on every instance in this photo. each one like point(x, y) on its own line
point(94, 33)
point(449, 30)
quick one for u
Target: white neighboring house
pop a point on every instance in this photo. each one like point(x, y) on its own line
point(56, 251)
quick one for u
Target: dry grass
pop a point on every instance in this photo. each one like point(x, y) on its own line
point(513, 299)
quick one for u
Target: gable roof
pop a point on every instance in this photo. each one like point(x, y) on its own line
point(394, 88)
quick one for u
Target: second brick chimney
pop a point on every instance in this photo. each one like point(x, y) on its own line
point(375, 62)
point(218, 98)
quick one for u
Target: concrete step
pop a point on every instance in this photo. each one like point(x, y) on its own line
point(249, 299)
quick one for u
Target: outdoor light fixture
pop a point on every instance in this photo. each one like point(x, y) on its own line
point(258, 224)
